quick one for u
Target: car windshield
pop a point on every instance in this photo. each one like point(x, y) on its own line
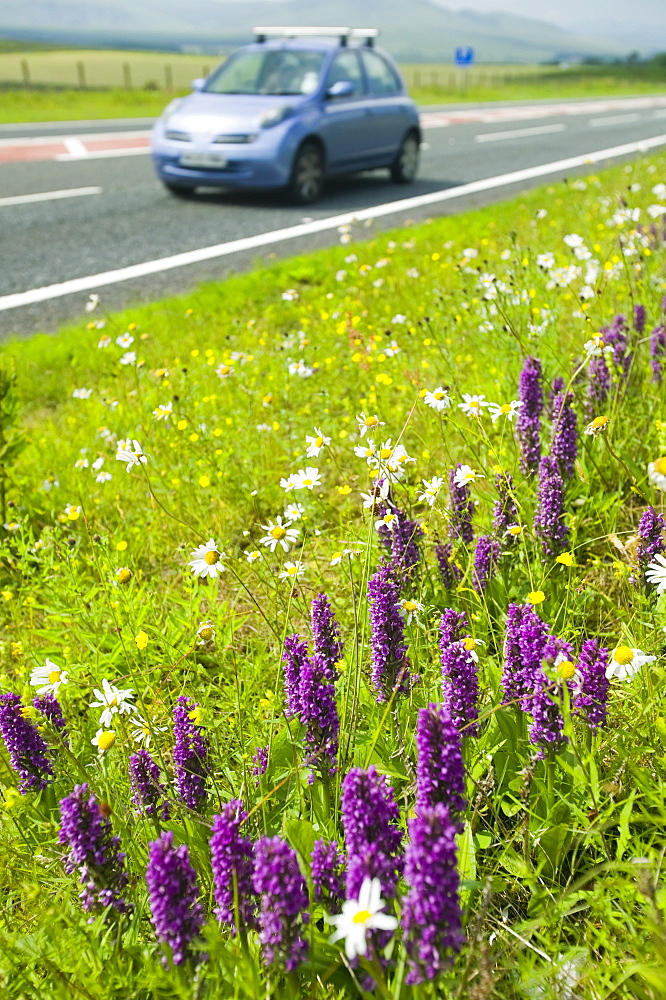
point(271, 71)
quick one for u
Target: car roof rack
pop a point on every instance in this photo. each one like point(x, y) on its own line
point(344, 34)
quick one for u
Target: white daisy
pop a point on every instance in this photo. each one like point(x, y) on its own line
point(360, 916)
point(507, 410)
point(473, 405)
point(125, 340)
point(656, 573)
point(625, 663)
point(294, 512)
point(464, 475)
point(306, 479)
point(224, 371)
point(104, 342)
point(469, 645)
point(113, 700)
point(288, 483)
point(163, 411)
point(410, 610)
point(316, 443)
point(103, 477)
point(207, 560)
point(292, 570)
point(545, 260)
point(142, 732)
point(103, 740)
point(366, 424)
point(92, 303)
point(128, 358)
point(438, 399)
point(81, 463)
point(278, 534)
point(379, 494)
point(392, 349)
point(389, 520)
point(82, 393)
point(47, 679)
point(131, 453)
point(337, 557)
point(205, 633)
point(253, 555)
point(366, 451)
point(430, 490)
point(657, 473)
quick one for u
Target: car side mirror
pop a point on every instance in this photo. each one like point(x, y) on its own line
point(343, 88)
point(198, 83)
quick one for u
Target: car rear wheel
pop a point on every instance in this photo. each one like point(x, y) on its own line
point(406, 163)
point(307, 174)
point(180, 190)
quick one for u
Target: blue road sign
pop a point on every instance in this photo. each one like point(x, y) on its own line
point(464, 55)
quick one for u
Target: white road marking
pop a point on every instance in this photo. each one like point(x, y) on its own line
point(614, 120)
point(96, 281)
point(75, 147)
point(100, 153)
point(518, 133)
point(51, 140)
point(25, 199)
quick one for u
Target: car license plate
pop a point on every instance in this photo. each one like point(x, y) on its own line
point(204, 161)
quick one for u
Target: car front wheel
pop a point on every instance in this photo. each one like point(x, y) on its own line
point(307, 174)
point(406, 163)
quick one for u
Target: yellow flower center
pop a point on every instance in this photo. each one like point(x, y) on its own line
point(124, 575)
point(308, 482)
point(224, 370)
point(439, 395)
point(206, 632)
point(385, 453)
point(409, 605)
point(278, 531)
point(54, 677)
point(469, 643)
point(506, 407)
point(292, 570)
point(319, 441)
point(599, 422)
point(660, 466)
point(566, 669)
point(515, 529)
point(211, 557)
point(371, 421)
point(387, 518)
point(106, 740)
point(623, 654)
point(473, 402)
point(361, 917)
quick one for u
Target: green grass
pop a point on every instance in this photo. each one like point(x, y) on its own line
point(560, 858)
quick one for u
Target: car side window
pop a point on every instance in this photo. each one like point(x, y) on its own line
point(381, 76)
point(346, 67)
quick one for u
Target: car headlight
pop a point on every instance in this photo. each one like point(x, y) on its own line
point(274, 116)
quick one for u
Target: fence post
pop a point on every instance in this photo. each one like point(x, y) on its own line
point(81, 74)
point(168, 77)
point(127, 76)
point(25, 71)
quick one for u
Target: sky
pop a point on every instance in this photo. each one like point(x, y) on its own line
point(568, 13)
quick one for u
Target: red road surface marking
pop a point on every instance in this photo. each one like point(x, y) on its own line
point(48, 148)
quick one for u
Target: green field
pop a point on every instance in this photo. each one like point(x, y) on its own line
point(253, 419)
point(51, 85)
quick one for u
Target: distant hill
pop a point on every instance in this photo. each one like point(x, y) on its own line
point(413, 30)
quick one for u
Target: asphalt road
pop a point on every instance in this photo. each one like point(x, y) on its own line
point(127, 217)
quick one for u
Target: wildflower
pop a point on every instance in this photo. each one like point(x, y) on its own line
point(657, 352)
point(657, 473)
point(142, 731)
point(125, 340)
point(486, 557)
point(279, 534)
point(205, 633)
point(305, 479)
point(123, 575)
point(49, 706)
point(224, 371)
point(625, 663)
point(113, 700)
point(164, 411)
point(524, 644)
point(564, 444)
point(47, 679)
point(82, 393)
point(438, 399)
point(650, 538)
point(72, 512)
point(207, 560)
point(26, 748)
point(459, 673)
point(410, 610)
point(104, 342)
point(328, 646)
point(253, 555)
point(292, 570)
point(103, 477)
point(316, 443)
point(147, 791)
point(129, 358)
point(430, 490)
point(536, 597)
point(566, 559)
point(597, 426)
point(290, 295)
point(387, 520)
point(103, 740)
point(460, 525)
point(360, 916)
point(131, 456)
point(294, 512)
point(92, 850)
point(337, 557)
point(450, 572)
point(319, 714)
point(370, 818)
point(260, 760)
point(549, 523)
point(390, 666)
point(508, 410)
point(190, 754)
point(440, 775)
point(368, 423)
point(283, 900)
point(464, 475)
point(92, 303)
point(431, 915)
point(81, 463)
point(380, 492)
point(176, 913)
point(232, 862)
point(590, 687)
point(546, 731)
point(473, 405)
point(300, 368)
point(327, 866)
point(656, 573)
point(528, 424)
point(294, 657)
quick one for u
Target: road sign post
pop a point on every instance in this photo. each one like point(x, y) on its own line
point(464, 58)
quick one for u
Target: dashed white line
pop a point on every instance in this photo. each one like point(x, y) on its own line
point(101, 153)
point(75, 147)
point(25, 199)
point(614, 120)
point(95, 281)
point(518, 133)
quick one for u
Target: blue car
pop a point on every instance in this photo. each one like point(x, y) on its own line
point(295, 107)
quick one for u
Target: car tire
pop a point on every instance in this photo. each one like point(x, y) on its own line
point(406, 164)
point(307, 174)
point(179, 190)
